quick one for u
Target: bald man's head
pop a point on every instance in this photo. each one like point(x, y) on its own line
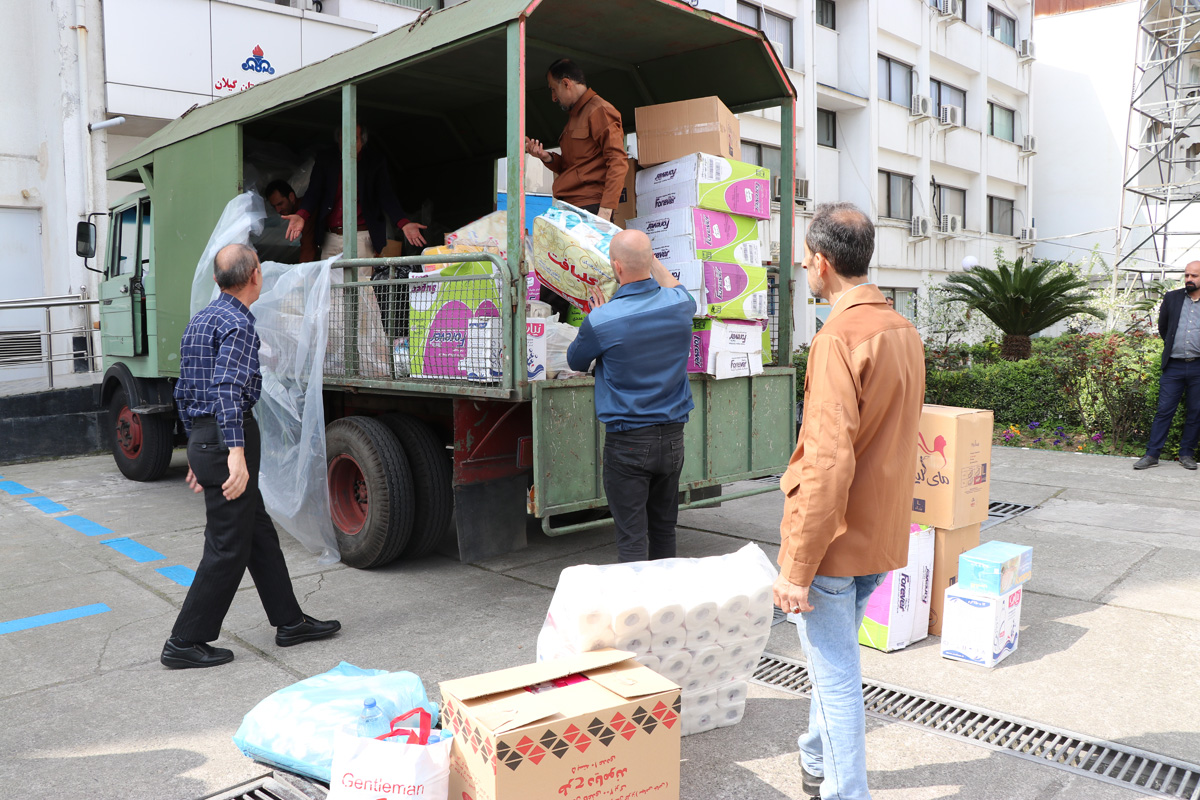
point(234, 266)
point(1191, 276)
point(631, 255)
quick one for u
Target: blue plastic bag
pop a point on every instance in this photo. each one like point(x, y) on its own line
point(294, 728)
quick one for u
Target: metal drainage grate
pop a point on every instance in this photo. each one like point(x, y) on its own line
point(276, 786)
point(768, 479)
point(999, 512)
point(1147, 773)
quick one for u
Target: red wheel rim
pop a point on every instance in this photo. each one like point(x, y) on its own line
point(129, 433)
point(348, 496)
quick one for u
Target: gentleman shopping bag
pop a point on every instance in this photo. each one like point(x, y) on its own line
point(396, 765)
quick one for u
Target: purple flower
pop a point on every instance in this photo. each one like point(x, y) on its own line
point(1097, 437)
point(1034, 425)
point(1035, 441)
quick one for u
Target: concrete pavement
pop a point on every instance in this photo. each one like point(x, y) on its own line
point(1110, 642)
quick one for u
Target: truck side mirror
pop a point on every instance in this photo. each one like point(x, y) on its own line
point(85, 240)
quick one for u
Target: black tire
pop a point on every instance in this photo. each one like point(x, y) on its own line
point(372, 509)
point(142, 443)
point(432, 478)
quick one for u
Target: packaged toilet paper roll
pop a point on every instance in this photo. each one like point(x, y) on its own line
point(697, 722)
point(731, 631)
point(757, 644)
point(702, 698)
point(700, 614)
point(702, 636)
point(731, 694)
point(675, 665)
point(668, 641)
point(731, 715)
point(597, 641)
point(746, 667)
point(649, 662)
point(721, 675)
point(630, 620)
point(733, 653)
point(733, 609)
point(666, 618)
point(637, 642)
point(762, 600)
point(707, 659)
point(758, 624)
point(693, 683)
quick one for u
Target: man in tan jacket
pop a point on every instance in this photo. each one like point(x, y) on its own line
point(848, 488)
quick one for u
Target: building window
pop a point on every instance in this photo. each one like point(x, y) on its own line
point(949, 200)
point(903, 300)
point(763, 155)
point(1002, 27)
point(1001, 123)
point(895, 81)
point(777, 27)
point(826, 128)
point(827, 14)
point(944, 94)
point(1000, 216)
point(895, 195)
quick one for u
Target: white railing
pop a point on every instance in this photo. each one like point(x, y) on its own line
point(90, 352)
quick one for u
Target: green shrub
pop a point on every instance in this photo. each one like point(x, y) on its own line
point(1017, 392)
point(800, 362)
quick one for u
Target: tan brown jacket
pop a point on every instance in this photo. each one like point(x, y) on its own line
point(849, 485)
point(593, 163)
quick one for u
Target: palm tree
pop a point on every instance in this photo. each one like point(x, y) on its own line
point(1021, 300)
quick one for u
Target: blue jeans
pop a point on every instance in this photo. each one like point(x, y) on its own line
point(835, 745)
point(1178, 377)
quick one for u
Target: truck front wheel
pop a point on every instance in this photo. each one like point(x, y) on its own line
point(142, 443)
point(370, 491)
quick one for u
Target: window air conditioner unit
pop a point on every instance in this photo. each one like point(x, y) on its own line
point(1029, 144)
point(952, 224)
point(921, 227)
point(800, 195)
point(922, 106)
point(950, 8)
point(1028, 235)
point(952, 116)
point(1025, 51)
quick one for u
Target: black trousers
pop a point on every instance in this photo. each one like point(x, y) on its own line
point(239, 535)
point(641, 480)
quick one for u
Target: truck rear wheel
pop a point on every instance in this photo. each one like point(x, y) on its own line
point(142, 443)
point(432, 476)
point(370, 491)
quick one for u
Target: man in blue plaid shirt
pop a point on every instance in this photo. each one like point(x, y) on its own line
point(219, 383)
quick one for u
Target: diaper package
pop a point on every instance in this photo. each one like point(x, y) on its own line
point(691, 234)
point(448, 322)
point(734, 291)
point(725, 346)
point(706, 181)
point(894, 610)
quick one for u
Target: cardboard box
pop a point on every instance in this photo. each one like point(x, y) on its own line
point(713, 336)
point(673, 130)
point(698, 234)
point(627, 206)
point(689, 273)
point(484, 341)
point(725, 364)
point(440, 315)
point(981, 628)
point(705, 181)
point(948, 545)
point(954, 453)
point(735, 291)
point(995, 567)
point(922, 545)
point(573, 728)
point(890, 620)
point(535, 339)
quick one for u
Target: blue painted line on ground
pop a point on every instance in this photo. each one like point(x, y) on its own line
point(45, 504)
point(15, 489)
point(135, 550)
point(178, 573)
point(49, 619)
point(84, 526)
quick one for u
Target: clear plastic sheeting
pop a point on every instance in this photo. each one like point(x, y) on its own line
point(291, 317)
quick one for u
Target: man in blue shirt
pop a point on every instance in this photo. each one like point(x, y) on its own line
point(218, 385)
point(640, 342)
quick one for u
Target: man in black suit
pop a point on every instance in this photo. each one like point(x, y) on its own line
point(1179, 327)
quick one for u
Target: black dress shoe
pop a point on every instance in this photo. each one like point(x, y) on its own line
point(178, 654)
point(305, 630)
point(810, 784)
point(1187, 462)
point(1145, 462)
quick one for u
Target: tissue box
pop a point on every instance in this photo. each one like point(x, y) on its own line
point(565, 728)
point(954, 451)
point(981, 628)
point(948, 545)
point(570, 253)
point(734, 291)
point(439, 316)
point(535, 338)
point(995, 567)
point(697, 234)
point(704, 181)
point(711, 337)
point(484, 339)
point(533, 286)
point(893, 611)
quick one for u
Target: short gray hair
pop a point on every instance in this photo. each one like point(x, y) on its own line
point(843, 234)
point(234, 265)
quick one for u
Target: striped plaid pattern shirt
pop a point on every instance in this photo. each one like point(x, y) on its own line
point(218, 368)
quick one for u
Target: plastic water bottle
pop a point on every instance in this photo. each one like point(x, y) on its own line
point(372, 722)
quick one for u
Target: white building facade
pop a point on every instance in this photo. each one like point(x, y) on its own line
point(941, 185)
point(75, 63)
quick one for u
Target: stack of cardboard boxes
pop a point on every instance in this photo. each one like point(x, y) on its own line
point(701, 208)
point(982, 612)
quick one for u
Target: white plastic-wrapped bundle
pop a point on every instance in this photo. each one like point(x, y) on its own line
point(703, 623)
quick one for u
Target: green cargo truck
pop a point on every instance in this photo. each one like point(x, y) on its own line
point(413, 454)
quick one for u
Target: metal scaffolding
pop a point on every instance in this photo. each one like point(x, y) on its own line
point(1162, 149)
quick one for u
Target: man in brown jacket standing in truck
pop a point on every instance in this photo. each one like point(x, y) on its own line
point(848, 488)
point(590, 172)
